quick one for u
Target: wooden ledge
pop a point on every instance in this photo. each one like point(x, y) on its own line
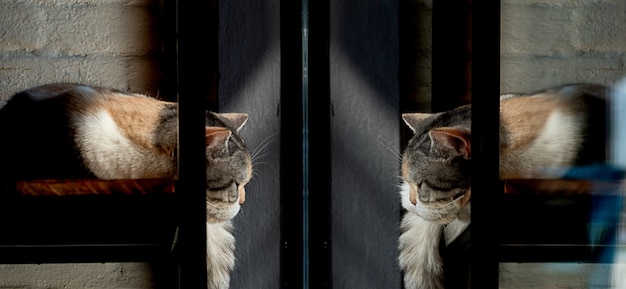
point(94, 187)
point(562, 186)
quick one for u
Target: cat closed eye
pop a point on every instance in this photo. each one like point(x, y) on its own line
point(213, 187)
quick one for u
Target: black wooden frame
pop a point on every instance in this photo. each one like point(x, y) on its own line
point(453, 81)
point(291, 167)
point(197, 85)
point(318, 170)
point(320, 175)
point(485, 142)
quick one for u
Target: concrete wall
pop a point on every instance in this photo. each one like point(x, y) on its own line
point(83, 276)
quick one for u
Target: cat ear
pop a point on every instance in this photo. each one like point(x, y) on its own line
point(217, 137)
point(450, 142)
point(235, 120)
point(413, 119)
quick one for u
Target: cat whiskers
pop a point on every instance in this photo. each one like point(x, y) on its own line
point(391, 156)
point(254, 180)
point(394, 151)
point(456, 198)
point(443, 211)
point(451, 201)
point(242, 214)
point(256, 153)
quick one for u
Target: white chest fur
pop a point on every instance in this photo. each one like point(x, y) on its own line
point(419, 244)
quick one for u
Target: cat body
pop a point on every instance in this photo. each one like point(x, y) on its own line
point(69, 131)
point(541, 135)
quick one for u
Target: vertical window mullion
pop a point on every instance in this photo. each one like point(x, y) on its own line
point(485, 142)
point(291, 148)
point(197, 84)
point(319, 127)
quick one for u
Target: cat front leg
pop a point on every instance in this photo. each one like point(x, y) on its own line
point(419, 253)
point(220, 254)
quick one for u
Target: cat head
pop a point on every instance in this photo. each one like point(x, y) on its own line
point(229, 165)
point(436, 165)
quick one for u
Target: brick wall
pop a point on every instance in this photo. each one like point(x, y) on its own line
point(101, 42)
point(551, 42)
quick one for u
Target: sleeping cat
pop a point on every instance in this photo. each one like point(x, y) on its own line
point(541, 134)
point(68, 131)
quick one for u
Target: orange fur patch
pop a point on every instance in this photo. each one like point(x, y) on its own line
point(413, 194)
point(136, 117)
point(242, 194)
point(522, 120)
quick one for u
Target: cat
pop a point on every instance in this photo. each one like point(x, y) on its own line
point(70, 131)
point(541, 135)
